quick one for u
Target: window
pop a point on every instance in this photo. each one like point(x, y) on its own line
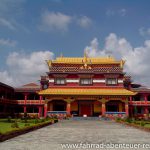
point(111, 81)
point(45, 86)
point(85, 81)
point(60, 81)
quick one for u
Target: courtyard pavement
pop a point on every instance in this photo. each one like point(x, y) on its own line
point(76, 131)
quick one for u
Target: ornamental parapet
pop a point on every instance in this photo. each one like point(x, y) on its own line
point(91, 70)
point(140, 103)
point(31, 102)
point(7, 101)
point(22, 102)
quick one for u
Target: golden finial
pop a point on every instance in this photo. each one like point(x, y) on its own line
point(85, 62)
point(85, 54)
point(61, 55)
point(122, 62)
point(49, 63)
point(85, 57)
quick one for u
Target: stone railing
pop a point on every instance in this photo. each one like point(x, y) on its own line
point(59, 114)
point(115, 114)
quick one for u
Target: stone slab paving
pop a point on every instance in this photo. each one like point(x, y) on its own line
point(76, 131)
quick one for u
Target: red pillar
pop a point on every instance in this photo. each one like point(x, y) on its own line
point(41, 99)
point(145, 97)
point(146, 110)
point(40, 107)
point(68, 108)
point(130, 98)
point(24, 109)
point(131, 108)
point(25, 102)
point(127, 109)
point(45, 110)
point(103, 108)
point(146, 107)
point(40, 111)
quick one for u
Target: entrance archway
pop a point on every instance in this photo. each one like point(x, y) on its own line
point(115, 106)
point(59, 105)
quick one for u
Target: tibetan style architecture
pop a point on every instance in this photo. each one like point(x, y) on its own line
point(86, 86)
point(79, 86)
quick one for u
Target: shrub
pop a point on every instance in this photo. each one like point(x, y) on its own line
point(25, 115)
point(15, 125)
point(142, 123)
point(47, 118)
point(55, 120)
point(129, 120)
point(26, 124)
point(9, 119)
point(118, 119)
point(42, 120)
point(36, 121)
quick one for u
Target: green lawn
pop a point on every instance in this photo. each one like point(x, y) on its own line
point(142, 123)
point(147, 126)
point(146, 123)
point(5, 126)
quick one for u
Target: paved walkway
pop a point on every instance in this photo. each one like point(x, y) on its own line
point(76, 131)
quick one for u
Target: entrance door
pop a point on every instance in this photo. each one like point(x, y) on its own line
point(85, 108)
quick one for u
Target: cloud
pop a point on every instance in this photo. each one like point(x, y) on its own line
point(54, 21)
point(6, 23)
point(13, 25)
point(121, 12)
point(24, 68)
point(6, 78)
point(10, 11)
point(137, 58)
point(144, 31)
point(84, 22)
point(110, 12)
point(57, 21)
point(8, 42)
point(8, 6)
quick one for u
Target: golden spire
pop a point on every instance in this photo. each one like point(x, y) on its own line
point(122, 62)
point(61, 55)
point(85, 57)
point(85, 61)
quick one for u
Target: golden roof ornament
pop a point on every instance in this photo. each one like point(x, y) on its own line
point(49, 63)
point(85, 58)
point(61, 55)
point(122, 62)
point(85, 62)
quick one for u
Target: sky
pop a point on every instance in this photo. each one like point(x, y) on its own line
point(34, 31)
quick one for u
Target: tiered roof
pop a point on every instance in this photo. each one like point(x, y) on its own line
point(86, 65)
point(6, 86)
point(31, 87)
point(80, 60)
point(87, 91)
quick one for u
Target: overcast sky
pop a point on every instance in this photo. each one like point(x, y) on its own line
point(33, 31)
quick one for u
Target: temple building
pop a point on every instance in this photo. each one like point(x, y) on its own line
point(79, 86)
point(86, 86)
